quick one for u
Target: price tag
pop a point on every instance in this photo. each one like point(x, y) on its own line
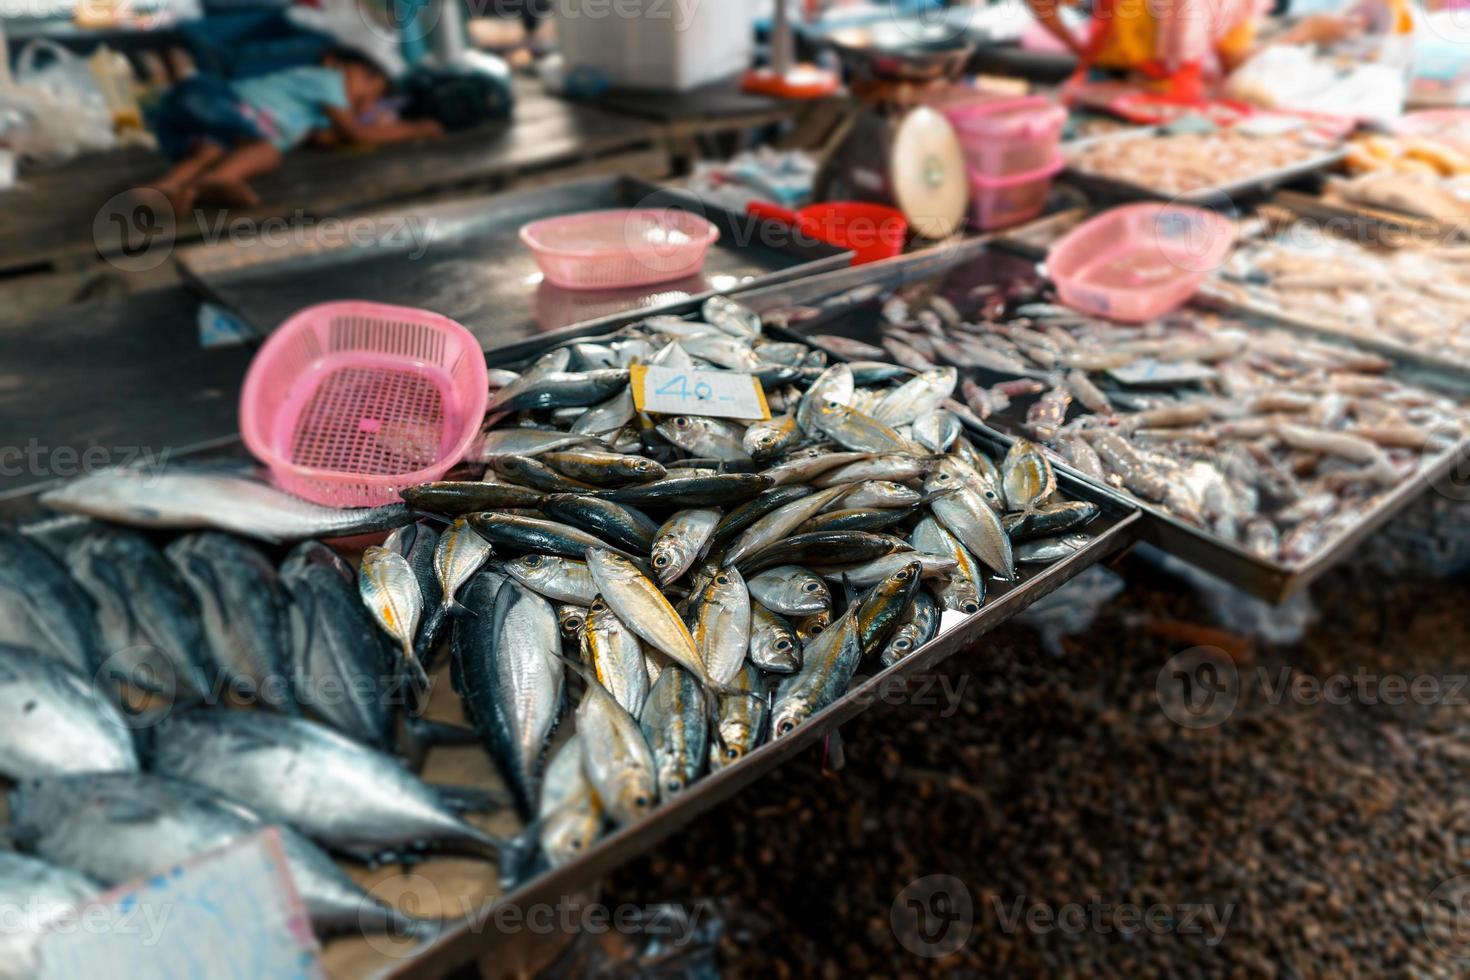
point(721, 394)
point(234, 912)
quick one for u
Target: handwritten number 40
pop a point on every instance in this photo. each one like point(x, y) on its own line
point(678, 386)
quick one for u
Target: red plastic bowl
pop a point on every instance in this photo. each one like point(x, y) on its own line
point(1139, 261)
point(870, 231)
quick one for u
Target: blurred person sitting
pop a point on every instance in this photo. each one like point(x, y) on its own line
point(224, 133)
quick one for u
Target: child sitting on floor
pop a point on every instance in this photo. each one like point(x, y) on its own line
point(223, 133)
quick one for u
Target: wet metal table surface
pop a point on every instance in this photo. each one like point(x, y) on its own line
point(113, 377)
point(464, 259)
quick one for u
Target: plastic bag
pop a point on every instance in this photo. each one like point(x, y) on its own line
point(54, 111)
point(66, 77)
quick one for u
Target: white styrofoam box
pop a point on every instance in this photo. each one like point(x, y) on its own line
point(667, 45)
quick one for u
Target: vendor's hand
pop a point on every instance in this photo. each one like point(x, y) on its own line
point(429, 129)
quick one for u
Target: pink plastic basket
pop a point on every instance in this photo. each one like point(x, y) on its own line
point(999, 202)
point(613, 249)
point(1007, 137)
point(347, 403)
point(1139, 261)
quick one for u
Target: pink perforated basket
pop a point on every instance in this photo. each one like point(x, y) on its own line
point(619, 248)
point(347, 403)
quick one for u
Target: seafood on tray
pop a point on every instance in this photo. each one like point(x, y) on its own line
point(1443, 199)
point(621, 602)
point(1187, 162)
point(1356, 290)
point(1268, 439)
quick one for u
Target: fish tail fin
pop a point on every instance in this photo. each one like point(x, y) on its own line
point(929, 498)
point(519, 857)
point(453, 607)
point(418, 679)
point(711, 694)
point(419, 735)
point(471, 799)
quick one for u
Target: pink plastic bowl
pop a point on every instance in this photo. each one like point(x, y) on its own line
point(1008, 137)
point(1139, 261)
point(348, 403)
point(999, 202)
point(614, 249)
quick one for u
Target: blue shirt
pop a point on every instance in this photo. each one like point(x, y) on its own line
point(288, 105)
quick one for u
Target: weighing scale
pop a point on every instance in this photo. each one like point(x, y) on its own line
point(900, 150)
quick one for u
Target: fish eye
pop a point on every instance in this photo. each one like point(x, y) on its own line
point(533, 560)
point(682, 422)
point(901, 645)
point(970, 607)
point(902, 575)
point(785, 727)
point(575, 843)
point(783, 644)
point(722, 579)
point(817, 629)
point(811, 586)
point(732, 753)
point(673, 786)
point(659, 561)
point(640, 801)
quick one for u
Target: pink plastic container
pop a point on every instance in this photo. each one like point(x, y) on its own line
point(1006, 137)
point(1139, 261)
point(999, 202)
point(347, 403)
point(614, 249)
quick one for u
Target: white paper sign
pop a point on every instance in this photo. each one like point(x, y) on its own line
point(674, 391)
point(233, 912)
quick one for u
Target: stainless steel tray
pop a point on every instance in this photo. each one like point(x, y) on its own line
point(1220, 196)
point(1370, 230)
point(463, 258)
point(1033, 241)
point(955, 272)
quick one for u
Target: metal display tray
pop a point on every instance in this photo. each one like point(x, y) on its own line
point(1115, 529)
point(464, 259)
point(1371, 231)
point(1035, 239)
point(1225, 196)
point(1368, 221)
point(956, 271)
point(468, 940)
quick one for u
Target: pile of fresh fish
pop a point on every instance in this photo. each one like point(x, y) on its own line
point(1267, 438)
point(1417, 298)
point(715, 582)
point(685, 587)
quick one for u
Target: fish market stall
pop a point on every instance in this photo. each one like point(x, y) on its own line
point(411, 585)
point(733, 597)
